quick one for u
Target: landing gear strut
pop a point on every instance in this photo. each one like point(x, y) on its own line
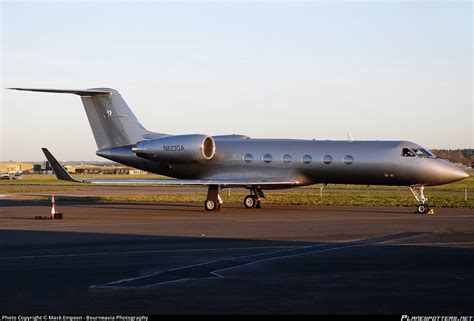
point(253, 200)
point(423, 207)
point(213, 200)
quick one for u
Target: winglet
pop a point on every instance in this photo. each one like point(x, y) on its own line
point(59, 170)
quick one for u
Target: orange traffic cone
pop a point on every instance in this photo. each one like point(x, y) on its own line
point(53, 207)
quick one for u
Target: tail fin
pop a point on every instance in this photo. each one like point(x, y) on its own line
point(112, 122)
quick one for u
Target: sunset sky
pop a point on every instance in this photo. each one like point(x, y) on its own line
point(381, 70)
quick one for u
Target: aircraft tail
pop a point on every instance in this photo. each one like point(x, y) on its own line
point(112, 122)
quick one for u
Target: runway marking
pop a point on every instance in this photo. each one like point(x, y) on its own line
point(145, 252)
point(283, 257)
point(210, 269)
point(198, 265)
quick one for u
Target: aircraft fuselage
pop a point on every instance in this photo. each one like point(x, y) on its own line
point(306, 161)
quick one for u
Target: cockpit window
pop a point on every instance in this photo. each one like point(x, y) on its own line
point(406, 152)
point(415, 151)
point(421, 152)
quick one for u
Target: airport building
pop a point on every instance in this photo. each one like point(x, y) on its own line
point(107, 169)
point(30, 168)
point(11, 167)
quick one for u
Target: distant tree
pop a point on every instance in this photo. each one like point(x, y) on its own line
point(464, 156)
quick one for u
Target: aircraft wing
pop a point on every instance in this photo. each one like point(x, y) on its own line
point(194, 182)
point(62, 174)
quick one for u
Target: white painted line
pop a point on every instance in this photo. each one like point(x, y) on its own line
point(116, 287)
point(215, 273)
point(150, 251)
point(190, 266)
point(288, 256)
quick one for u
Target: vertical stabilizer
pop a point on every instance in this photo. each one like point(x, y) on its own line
point(112, 122)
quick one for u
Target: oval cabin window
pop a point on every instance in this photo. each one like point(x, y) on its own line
point(267, 158)
point(286, 159)
point(348, 159)
point(307, 159)
point(248, 158)
point(327, 159)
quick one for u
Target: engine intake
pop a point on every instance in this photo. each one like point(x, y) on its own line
point(177, 149)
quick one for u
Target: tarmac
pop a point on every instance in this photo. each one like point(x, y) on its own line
point(149, 258)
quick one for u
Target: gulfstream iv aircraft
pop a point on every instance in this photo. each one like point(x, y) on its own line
point(243, 162)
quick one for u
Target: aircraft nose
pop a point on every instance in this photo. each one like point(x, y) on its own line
point(452, 173)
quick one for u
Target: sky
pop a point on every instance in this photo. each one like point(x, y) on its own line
point(381, 70)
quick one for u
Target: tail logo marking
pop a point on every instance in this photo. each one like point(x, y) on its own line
point(108, 113)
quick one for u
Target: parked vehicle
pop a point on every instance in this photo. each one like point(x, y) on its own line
point(17, 176)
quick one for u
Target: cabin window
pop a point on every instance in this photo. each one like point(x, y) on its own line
point(327, 159)
point(348, 159)
point(307, 159)
point(248, 158)
point(267, 158)
point(406, 152)
point(286, 158)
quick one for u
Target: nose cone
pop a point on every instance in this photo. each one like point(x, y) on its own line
point(461, 174)
point(451, 173)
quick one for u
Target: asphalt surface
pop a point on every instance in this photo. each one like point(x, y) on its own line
point(119, 258)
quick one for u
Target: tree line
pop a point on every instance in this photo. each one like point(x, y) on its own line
point(464, 156)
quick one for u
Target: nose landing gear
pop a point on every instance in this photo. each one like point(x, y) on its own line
point(423, 207)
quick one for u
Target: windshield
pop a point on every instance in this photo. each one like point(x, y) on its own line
point(421, 152)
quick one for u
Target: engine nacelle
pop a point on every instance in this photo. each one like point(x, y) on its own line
point(177, 149)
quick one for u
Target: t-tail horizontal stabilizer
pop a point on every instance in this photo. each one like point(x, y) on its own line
point(58, 169)
point(79, 92)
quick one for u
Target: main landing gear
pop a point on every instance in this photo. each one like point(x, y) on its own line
point(423, 207)
point(253, 200)
point(213, 200)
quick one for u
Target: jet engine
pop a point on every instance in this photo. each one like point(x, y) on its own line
point(177, 149)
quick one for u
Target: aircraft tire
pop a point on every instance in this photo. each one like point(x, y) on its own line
point(250, 201)
point(209, 205)
point(423, 208)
